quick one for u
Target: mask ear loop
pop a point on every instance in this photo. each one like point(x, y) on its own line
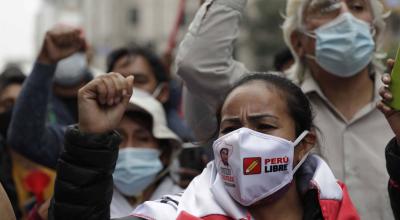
point(373, 31)
point(300, 138)
point(157, 91)
point(295, 143)
point(311, 35)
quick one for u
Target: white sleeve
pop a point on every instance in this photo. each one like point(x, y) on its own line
point(205, 60)
point(164, 208)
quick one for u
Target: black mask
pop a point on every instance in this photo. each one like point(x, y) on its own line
point(5, 119)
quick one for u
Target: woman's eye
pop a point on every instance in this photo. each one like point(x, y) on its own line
point(264, 127)
point(228, 130)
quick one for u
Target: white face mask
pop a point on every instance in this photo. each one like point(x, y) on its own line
point(72, 70)
point(253, 165)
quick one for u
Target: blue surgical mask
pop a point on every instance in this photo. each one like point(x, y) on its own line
point(344, 46)
point(136, 169)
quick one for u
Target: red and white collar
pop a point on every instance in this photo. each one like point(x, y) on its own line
point(206, 195)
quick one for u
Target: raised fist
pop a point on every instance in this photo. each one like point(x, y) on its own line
point(60, 42)
point(102, 102)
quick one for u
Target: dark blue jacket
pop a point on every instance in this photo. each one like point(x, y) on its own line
point(39, 119)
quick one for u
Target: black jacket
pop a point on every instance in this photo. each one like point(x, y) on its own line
point(84, 185)
point(393, 166)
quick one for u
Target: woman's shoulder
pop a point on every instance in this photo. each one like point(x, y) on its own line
point(333, 196)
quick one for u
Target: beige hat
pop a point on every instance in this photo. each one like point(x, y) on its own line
point(143, 101)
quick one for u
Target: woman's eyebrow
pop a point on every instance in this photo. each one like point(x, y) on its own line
point(250, 117)
point(231, 119)
point(260, 116)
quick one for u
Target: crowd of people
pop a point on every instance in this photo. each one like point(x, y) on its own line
point(314, 139)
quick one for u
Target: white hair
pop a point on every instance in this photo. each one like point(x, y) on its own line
point(294, 21)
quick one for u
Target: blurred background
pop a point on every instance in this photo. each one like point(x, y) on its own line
point(154, 23)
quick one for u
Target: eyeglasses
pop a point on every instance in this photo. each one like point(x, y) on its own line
point(329, 9)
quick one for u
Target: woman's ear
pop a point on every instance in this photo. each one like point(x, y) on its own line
point(305, 146)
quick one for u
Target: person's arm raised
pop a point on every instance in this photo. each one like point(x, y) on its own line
point(84, 185)
point(205, 57)
point(205, 61)
point(28, 133)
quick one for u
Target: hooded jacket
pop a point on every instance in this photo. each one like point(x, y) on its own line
point(206, 198)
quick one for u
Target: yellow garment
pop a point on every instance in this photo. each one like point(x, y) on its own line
point(21, 167)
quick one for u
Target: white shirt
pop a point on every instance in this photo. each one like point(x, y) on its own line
point(355, 149)
point(120, 207)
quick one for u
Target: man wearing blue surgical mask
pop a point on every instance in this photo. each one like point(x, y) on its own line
point(335, 44)
point(336, 48)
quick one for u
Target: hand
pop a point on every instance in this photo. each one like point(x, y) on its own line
point(60, 42)
point(102, 103)
point(392, 116)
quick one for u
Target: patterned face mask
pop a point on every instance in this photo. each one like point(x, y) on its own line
point(253, 165)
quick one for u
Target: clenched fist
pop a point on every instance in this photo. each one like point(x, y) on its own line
point(102, 102)
point(59, 43)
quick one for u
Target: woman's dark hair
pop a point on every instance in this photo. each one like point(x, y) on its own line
point(155, 62)
point(297, 103)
